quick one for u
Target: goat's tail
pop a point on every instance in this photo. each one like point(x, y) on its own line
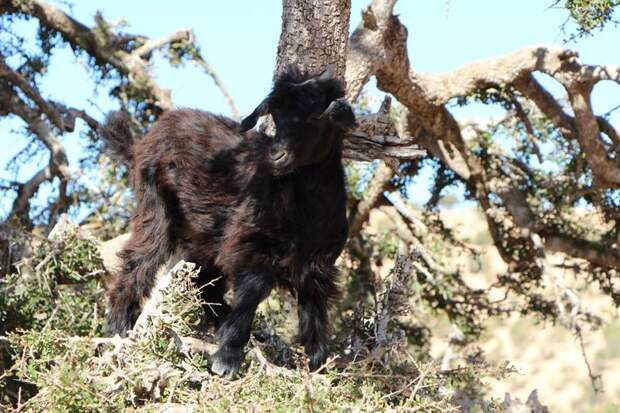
point(118, 136)
point(152, 243)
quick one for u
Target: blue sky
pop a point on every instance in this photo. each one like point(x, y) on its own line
point(239, 39)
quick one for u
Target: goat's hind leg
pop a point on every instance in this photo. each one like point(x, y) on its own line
point(145, 252)
point(249, 290)
point(132, 285)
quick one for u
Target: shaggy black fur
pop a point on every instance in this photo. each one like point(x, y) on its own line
point(259, 211)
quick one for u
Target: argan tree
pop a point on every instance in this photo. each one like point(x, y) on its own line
point(530, 210)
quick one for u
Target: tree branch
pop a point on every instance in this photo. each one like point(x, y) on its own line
point(183, 35)
point(517, 67)
point(376, 137)
point(108, 48)
point(98, 43)
point(202, 63)
point(429, 123)
point(529, 87)
point(555, 61)
point(58, 164)
point(18, 80)
point(376, 187)
point(597, 254)
point(366, 49)
point(606, 170)
point(25, 191)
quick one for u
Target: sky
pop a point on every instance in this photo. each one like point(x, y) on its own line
point(239, 39)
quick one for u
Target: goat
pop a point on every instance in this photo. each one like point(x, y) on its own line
point(252, 210)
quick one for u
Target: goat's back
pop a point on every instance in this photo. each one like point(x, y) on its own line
point(199, 164)
point(190, 142)
point(186, 134)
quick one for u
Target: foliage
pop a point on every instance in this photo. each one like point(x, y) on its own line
point(590, 15)
point(38, 296)
point(66, 370)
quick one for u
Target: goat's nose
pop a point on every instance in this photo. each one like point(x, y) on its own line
point(278, 155)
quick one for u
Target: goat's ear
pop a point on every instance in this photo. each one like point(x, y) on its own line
point(340, 113)
point(329, 72)
point(250, 121)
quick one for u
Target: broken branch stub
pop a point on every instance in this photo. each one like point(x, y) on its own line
point(376, 137)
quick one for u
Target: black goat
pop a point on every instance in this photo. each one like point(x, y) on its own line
point(260, 211)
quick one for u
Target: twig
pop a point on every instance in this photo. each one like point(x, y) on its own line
point(202, 63)
point(595, 379)
point(149, 46)
point(18, 80)
point(268, 367)
point(531, 134)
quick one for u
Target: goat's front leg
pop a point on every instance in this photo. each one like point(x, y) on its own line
point(249, 290)
point(314, 329)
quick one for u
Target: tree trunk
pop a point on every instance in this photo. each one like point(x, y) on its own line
point(314, 34)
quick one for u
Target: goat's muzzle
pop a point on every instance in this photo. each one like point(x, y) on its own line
point(281, 160)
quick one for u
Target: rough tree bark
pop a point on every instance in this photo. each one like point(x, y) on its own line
point(314, 34)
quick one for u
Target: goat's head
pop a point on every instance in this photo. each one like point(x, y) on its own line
point(309, 113)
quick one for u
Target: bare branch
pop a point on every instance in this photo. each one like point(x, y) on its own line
point(606, 170)
point(555, 61)
point(595, 253)
point(431, 124)
point(100, 47)
point(376, 137)
point(73, 113)
point(366, 49)
point(74, 32)
point(187, 35)
point(373, 138)
point(25, 191)
point(106, 47)
point(529, 87)
point(610, 131)
point(202, 63)
point(563, 65)
point(522, 115)
point(376, 187)
point(183, 35)
point(18, 80)
point(43, 131)
point(58, 164)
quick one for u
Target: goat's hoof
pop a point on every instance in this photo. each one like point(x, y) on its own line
point(317, 359)
point(225, 364)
